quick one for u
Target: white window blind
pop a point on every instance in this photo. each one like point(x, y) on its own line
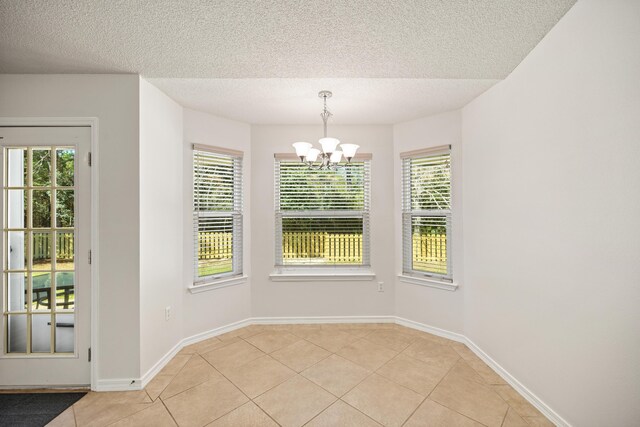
point(217, 213)
point(322, 217)
point(426, 213)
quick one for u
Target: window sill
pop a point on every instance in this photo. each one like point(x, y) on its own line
point(312, 275)
point(216, 284)
point(430, 283)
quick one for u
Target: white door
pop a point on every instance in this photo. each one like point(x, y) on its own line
point(46, 279)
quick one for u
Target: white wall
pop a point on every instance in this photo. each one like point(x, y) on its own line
point(208, 310)
point(113, 99)
point(161, 220)
point(435, 307)
point(353, 298)
point(551, 217)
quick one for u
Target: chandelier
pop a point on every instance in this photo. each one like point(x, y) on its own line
point(330, 156)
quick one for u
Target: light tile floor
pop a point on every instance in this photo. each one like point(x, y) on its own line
point(316, 375)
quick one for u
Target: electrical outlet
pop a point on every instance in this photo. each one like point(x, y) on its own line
point(380, 288)
point(167, 313)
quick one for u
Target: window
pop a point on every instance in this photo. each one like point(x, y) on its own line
point(322, 216)
point(217, 213)
point(426, 213)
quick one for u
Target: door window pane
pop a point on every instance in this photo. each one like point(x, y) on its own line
point(65, 158)
point(41, 251)
point(41, 333)
point(16, 208)
point(65, 290)
point(64, 251)
point(41, 291)
point(41, 209)
point(64, 208)
point(65, 336)
point(17, 291)
point(16, 250)
point(17, 333)
point(41, 167)
point(17, 167)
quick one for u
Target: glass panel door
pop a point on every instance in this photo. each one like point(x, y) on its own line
point(39, 257)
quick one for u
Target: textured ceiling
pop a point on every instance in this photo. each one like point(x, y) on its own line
point(295, 101)
point(263, 61)
point(439, 39)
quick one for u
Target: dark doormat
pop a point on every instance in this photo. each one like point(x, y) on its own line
point(34, 409)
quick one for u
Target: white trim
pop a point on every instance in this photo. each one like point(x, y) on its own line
point(428, 282)
point(119, 384)
point(431, 151)
point(217, 150)
point(321, 319)
point(453, 336)
point(92, 122)
point(510, 379)
point(217, 284)
point(157, 367)
point(552, 415)
point(215, 332)
point(318, 276)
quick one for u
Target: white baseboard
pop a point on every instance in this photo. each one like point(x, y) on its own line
point(431, 330)
point(153, 371)
point(552, 415)
point(214, 332)
point(321, 319)
point(120, 384)
point(139, 384)
point(157, 367)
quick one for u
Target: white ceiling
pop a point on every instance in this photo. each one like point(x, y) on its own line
point(206, 44)
point(295, 101)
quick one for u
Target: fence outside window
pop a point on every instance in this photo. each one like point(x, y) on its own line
point(327, 247)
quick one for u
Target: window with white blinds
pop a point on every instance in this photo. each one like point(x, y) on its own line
point(322, 216)
point(217, 213)
point(426, 213)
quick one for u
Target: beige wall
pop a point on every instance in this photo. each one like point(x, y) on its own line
point(113, 99)
point(161, 219)
point(551, 207)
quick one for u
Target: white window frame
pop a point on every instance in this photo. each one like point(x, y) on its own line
point(410, 275)
point(235, 276)
point(324, 272)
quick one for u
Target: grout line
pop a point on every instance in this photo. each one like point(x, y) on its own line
point(147, 406)
point(460, 359)
point(239, 389)
point(73, 411)
point(168, 411)
point(351, 406)
point(427, 396)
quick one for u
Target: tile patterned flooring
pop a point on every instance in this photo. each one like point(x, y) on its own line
point(318, 376)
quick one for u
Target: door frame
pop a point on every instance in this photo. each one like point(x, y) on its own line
point(91, 122)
